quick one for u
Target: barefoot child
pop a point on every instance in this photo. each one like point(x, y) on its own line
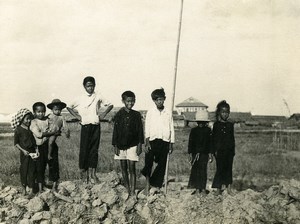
point(88, 107)
point(56, 123)
point(223, 145)
point(40, 129)
point(25, 142)
point(128, 137)
point(199, 152)
point(160, 137)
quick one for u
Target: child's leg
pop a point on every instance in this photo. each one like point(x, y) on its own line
point(146, 171)
point(54, 166)
point(51, 142)
point(161, 155)
point(132, 174)
point(24, 190)
point(41, 164)
point(124, 169)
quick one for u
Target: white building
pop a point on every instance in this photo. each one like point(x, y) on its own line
point(190, 105)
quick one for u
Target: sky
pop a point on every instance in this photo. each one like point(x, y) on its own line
point(243, 51)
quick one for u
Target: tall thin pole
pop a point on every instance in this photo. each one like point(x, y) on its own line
point(174, 87)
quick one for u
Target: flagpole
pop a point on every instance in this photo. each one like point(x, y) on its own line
point(174, 88)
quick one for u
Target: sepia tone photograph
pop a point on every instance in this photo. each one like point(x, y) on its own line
point(171, 111)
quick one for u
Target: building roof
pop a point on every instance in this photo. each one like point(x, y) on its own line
point(295, 116)
point(191, 102)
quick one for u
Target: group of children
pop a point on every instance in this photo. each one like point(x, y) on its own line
point(35, 136)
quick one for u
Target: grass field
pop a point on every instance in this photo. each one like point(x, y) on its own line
point(262, 158)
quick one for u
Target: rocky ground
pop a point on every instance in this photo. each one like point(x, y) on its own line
point(107, 202)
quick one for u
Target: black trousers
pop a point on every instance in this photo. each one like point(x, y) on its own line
point(158, 153)
point(41, 162)
point(198, 177)
point(27, 170)
point(54, 164)
point(89, 145)
point(223, 174)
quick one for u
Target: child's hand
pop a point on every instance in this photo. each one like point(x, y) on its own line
point(211, 159)
point(170, 148)
point(190, 158)
point(147, 147)
point(197, 157)
point(49, 157)
point(139, 149)
point(117, 151)
point(25, 152)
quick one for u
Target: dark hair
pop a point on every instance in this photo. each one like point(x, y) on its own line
point(30, 115)
point(220, 105)
point(89, 79)
point(127, 93)
point(158, 93)
point(38, 104)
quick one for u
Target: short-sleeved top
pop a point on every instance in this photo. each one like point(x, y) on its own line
point(128, 129)
point(25, 139)
point(86, 106)
point(37, 127)
point(159, 125)
point(200, 140)
point(223, 141)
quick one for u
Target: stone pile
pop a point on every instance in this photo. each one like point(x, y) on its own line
point(108, 202)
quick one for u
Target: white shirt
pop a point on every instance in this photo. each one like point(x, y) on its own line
point(159, 125)
point(38, 127)
point(87, 107)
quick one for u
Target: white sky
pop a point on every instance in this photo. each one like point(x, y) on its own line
point(240, 50)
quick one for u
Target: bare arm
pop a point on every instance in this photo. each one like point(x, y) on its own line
point(25, 152)
point(72, 112)
point(107, 110)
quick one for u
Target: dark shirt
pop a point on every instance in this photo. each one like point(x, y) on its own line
point(199, 140)
point(25, 139)
point(223, 141)
point(128, 129)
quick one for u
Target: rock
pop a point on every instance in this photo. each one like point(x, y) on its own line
point(112, 179)
point(129, 204)
point(152, 198)
point(122, 192)
point(109, 196)
point(46, 195)
point(25, 221)
point(45, 222)
point(97, 202)
point(68, 185)
point(79, 208)
point(36, 204)
point(100, 212)
point(45, 215)
point(21, 201)
point(9, 198)
point(55, 221)
point(146, 214)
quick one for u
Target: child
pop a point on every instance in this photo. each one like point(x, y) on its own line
point(128, 137)
point(199, 152)
point(40, 129)
point(56, 123)
point(24, 141)
point(88, 108)
point(160, 137)
point(223, 145)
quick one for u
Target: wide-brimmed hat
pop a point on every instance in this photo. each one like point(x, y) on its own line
point(18, 117)
point(56, 102)
point(202, 115)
